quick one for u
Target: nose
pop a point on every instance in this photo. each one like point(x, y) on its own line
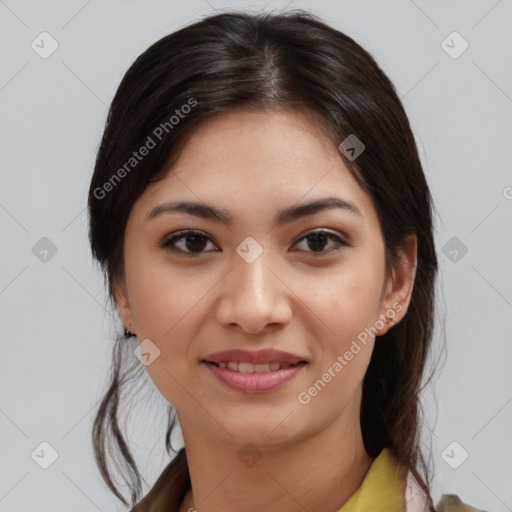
point(254, 296)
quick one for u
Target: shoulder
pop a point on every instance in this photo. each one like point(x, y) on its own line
point(452, 503)
point(416, 501)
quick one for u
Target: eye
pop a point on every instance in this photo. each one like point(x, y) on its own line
point(317, 240)
point(193, 240)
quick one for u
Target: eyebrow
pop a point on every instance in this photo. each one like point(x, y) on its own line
point(284, 216)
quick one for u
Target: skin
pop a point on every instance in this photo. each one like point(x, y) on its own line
point(253, 165)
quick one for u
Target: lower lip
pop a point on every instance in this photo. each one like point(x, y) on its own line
point(254, 382)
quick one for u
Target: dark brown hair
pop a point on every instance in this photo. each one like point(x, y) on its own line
point(233, 61)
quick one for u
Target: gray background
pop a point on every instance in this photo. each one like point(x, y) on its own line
point(56, 334)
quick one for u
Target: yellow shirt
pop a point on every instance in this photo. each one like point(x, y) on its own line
point(382, 488)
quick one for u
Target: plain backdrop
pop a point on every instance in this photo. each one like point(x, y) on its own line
point(55, 332)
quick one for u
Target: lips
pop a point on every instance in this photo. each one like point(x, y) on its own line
point(249, 371)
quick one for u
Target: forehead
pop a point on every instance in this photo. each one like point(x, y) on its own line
point(287, 140)
point(251, 158)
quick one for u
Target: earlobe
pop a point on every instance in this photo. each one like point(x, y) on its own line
point(123, 304)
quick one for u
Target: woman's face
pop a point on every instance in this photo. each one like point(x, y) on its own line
point(251, 279)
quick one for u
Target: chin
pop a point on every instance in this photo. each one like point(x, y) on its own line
point(275, 430)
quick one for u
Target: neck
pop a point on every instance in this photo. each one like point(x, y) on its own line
point(320, 472)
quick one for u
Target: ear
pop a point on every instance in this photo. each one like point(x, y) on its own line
point(123, 303)
point(398, 288)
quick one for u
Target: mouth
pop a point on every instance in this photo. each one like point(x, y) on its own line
point(249, 371)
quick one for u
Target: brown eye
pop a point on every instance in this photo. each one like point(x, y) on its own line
point(318, 240)
point(188, 242)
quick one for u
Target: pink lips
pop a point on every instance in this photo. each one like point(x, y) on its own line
point(257, 382)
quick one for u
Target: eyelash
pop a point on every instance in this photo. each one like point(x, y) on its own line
point(167, 243)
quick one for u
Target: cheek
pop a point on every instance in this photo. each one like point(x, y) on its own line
point(162, 309)
point(166, 309)
point(153, 302)
point(349, 298)
point(350, 311)
point(348, 304)
point(159, 295)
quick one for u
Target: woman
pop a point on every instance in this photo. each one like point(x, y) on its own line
point(265, 227)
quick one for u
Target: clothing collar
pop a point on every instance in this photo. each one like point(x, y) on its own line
point(382, 488)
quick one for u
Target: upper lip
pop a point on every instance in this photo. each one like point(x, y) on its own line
point(267, 355)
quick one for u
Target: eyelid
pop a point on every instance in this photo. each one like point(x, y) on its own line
point(339, 234)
